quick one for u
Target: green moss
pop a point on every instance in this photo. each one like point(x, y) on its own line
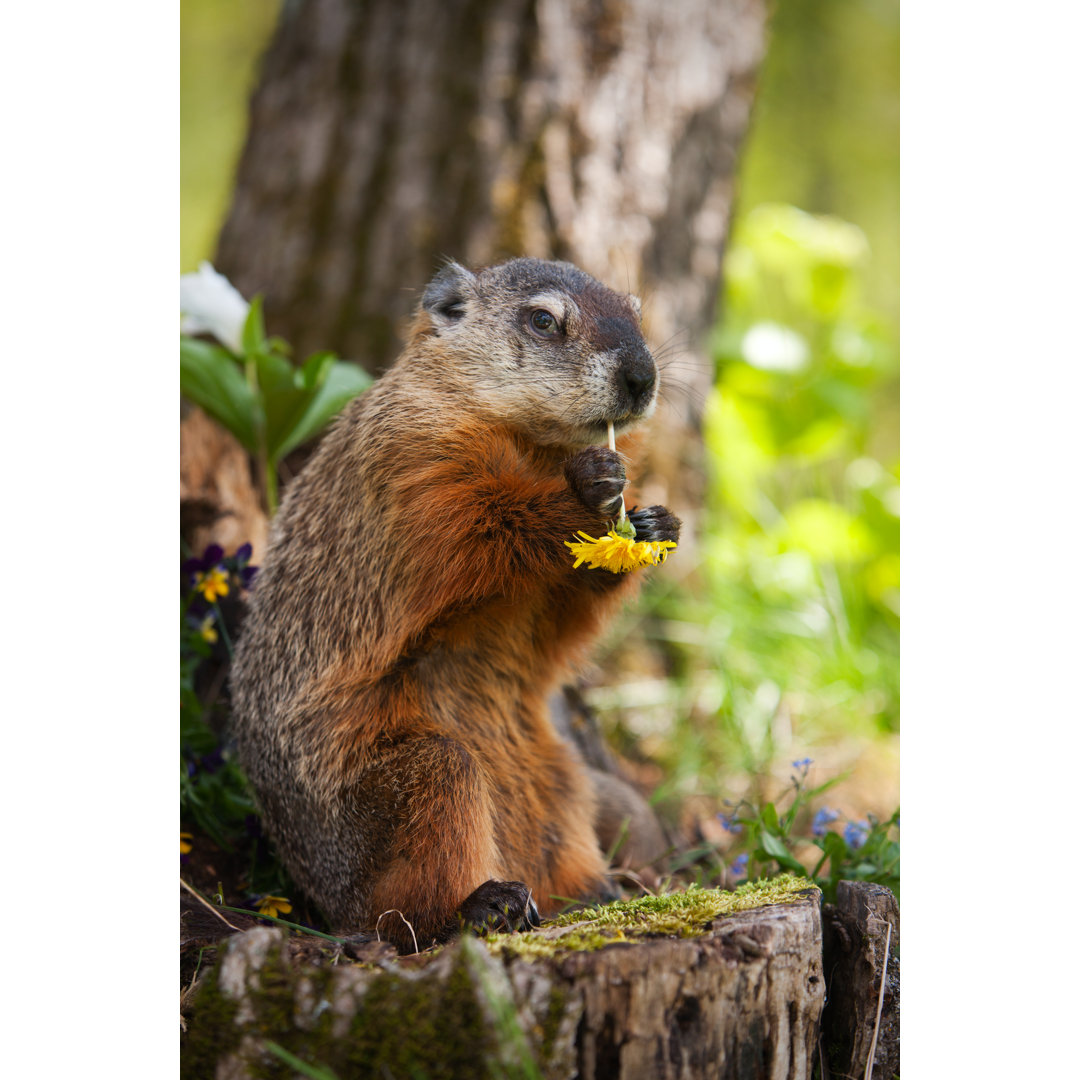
point(678, 914)
point(550, 1030)
point(441, 1031)
point(212, 1031)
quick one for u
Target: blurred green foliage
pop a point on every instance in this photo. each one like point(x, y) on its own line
point(802, 552)
point(786, 637)
point(805, 523)
point(780, 836)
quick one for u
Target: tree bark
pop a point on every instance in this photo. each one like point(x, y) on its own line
point(383, 138)
point(856, 928)
point(740, 1001)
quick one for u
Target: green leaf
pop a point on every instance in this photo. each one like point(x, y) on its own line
point(773, 845)
point(254, 336)
point(211, 378)
point(777, 849)
point(315, 369)
point(278, 344)
point(835, 848)
point(814, 792)
point(343, 382)
point(769, 817)
point(286, 396)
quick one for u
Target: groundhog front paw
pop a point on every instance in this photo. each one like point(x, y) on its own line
point(655, 523)
point(500, 907)
point(597, 477)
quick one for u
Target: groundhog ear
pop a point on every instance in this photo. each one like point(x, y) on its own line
point(444, 299)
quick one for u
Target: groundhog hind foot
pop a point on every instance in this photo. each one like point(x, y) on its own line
point(499, 907)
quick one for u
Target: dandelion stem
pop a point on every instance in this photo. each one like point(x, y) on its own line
point(611, 446)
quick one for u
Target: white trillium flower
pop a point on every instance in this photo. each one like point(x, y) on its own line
point(210, 304)
point(772, 347)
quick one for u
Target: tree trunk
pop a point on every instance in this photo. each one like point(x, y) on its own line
point(741, 1000)
point(385, 136)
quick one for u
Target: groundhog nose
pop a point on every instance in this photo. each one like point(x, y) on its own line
point(638, 379)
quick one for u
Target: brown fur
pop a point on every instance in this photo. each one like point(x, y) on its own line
point(417, 605)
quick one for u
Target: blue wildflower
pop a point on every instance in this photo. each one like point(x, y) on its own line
point(855, 834)
point(729, 823)
point(802, 763)
point(822, 819)
point(738, 867)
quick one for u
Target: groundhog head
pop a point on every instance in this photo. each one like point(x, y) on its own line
point(541, 345)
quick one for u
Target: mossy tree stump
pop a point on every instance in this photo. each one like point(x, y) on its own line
point(652, 988)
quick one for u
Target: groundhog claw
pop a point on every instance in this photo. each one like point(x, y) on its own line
point(500, 907)
point(597, 476)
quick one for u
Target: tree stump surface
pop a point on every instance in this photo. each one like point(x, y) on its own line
point(219, 504)
point(855, 932)
point(740, 999)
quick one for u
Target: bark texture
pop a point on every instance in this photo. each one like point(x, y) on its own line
point(384, 136)
point(855, 931)
point(742, 1001)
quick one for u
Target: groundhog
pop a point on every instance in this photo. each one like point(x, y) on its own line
point(417, 605)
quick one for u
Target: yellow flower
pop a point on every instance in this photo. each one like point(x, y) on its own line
point(212, 583)
point(273, 906)
point(185, 842)
point(206, 629)
point(618, 553)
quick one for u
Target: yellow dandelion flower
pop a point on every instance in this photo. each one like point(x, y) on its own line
point(185, 842)
point(616, 553)
point(274, 906)
point(619, 551)
point(212, 583)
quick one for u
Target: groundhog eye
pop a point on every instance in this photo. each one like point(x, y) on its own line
point(543, 322)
